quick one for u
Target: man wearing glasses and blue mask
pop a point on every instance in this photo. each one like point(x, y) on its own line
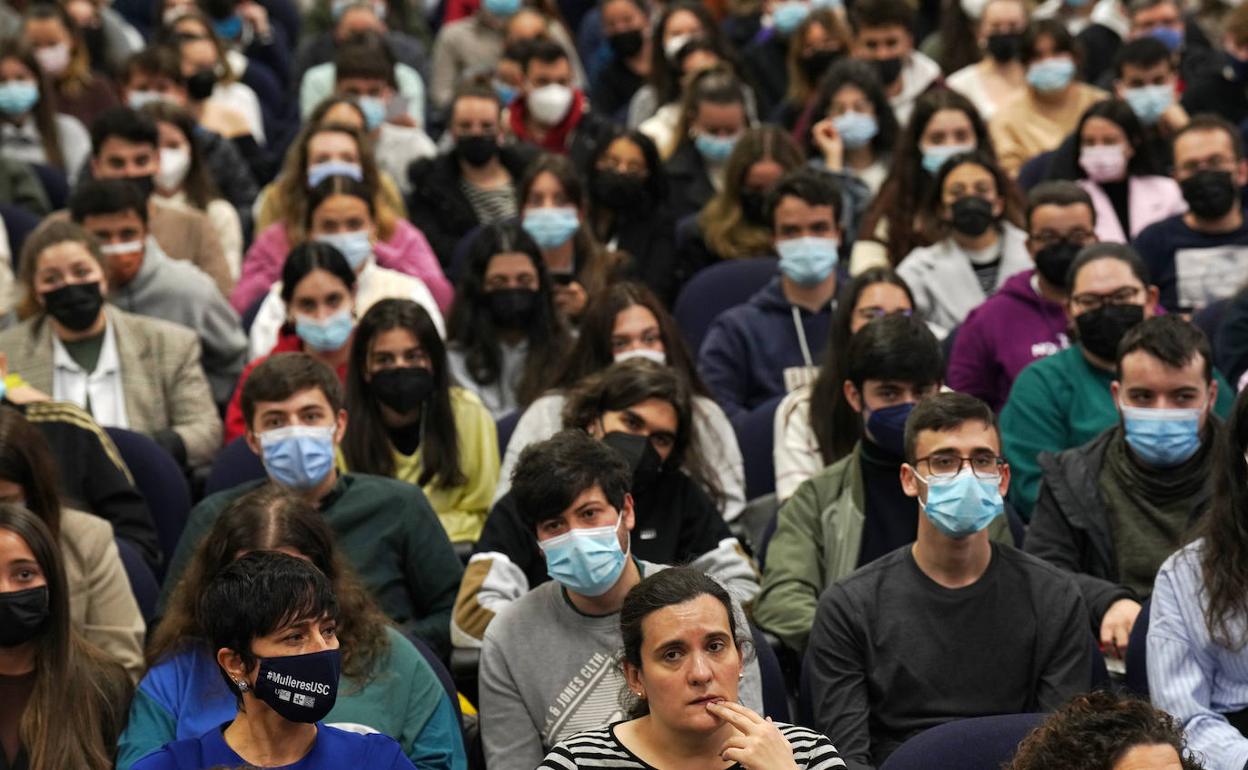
point(953, 626)
point(1111, 511)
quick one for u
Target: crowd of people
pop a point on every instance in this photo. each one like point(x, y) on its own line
point(622, 384)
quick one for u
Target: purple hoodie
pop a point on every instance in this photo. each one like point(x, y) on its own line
point(1001, 337)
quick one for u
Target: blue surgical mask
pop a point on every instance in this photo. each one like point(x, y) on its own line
point(715, 149)
point(374, 110)
point(551, 226)
point(355, 246)
point(962, 505)
point(1162, 437)
point(322, 171)
point(328, 335)
point(856, 128)
point(1173, 38)
point(299, 456)
point(1051, 74)
point(229, 28)
point(586, 561)
point(17, 97)
point(887, 427)
point(501, 8)
point(505, 92)
point(789, 15)
point(807, 261)
point(935, 157)
point(1149, 103)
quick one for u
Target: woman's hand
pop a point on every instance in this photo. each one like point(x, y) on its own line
point(570, 300)
point(829, 143)
point(757, 744)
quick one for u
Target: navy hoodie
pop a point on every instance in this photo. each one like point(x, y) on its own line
point(748, 347)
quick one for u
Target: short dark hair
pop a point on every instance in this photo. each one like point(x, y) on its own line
point(882, 13)
point(1208, 121)
point(1063, 41)
point(282, 375)
point(1144, 51)
point(1119, 251)
point(309, 256)
point(895, 347)
point(544, 50)
point(256, 595)
point(365, 56)
point(473, 89)
point(94, 197)
point(126, 124)
point(814, 187)
point(945, 412)
point(157, 59)
point(1058, 193)
point(1169, 339)
point(551, 474)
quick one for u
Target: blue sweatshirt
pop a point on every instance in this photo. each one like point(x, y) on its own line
point(334, 749)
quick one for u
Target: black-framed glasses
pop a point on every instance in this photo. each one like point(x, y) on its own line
point(946, 465)
point(1087, 302)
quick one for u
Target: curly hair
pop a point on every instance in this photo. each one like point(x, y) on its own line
point(1094, 731)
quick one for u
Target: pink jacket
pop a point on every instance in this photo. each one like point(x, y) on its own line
point(407, 251)
point(1149, 198)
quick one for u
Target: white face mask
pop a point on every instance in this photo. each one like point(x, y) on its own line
point(650, 354)
point(674, 44)
point(174, 166)
point(53, 59)
point(550, 103)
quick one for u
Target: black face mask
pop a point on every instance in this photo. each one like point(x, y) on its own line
point(23, 615)
point(1005, 47)
point(1053, 261)
point(75, 305)
point(972, 216)
point(641, 457)
point(888, 69)
point(146, 184)
point(1102, 329)
point(1210, 194)
point(818, 63)
point(619, 192)
point(753, 207)
point(512, 308)
point(300, 688)
point(403, 389)
point(478, 149)
point(626, 45)
point(199, 86)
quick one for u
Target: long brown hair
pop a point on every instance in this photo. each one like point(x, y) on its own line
point(199, 187)
point(267, 519)
point(47, 235)
point(44, 111)
point(77, 77)
point(81, 697)
point(1224, 528)
point(26, 460)
point(801, 89)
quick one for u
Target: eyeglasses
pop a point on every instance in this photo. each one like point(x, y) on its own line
point(1088, 302)
point(946, 465)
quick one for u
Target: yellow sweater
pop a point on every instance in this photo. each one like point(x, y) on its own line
point(1025, 127)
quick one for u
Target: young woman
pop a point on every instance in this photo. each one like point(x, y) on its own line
point(999, 75)
point(323, 150)
point(623, 322)
point(65, 700)
point(318, 291)
point(695, 56)
point(854, 129)
point(129, 371)
point(679, 24)
point(626, 28)
point(184, 179)
point(504, 337)
point(31, 128)
point(815, 425)
point(341, 213)
point(270, 621)
point(386, 683)
point(65, 61)
point(977, 214)
point(410, 423)
point(713, 119)
point(101, 606)
point(684, 652)
point(815, 46)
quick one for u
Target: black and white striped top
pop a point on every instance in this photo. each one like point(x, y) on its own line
point(601, 750)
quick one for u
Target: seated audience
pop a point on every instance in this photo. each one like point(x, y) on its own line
point(410, 423)
point(695, 56)
point(387, 685)
point(1026, 319)
point(854, 129)
point(272, 619)
point(953, 626)
point(127, 370)
point(572, 498)
point(30, 126)
point(977, 210)
point(52, 676)
point(999, 75)
point(551, 113)
point(685, 708)
point(81, 91)
point(681, 23)
point(503, 336)
point(713, 118)
point(884, 37)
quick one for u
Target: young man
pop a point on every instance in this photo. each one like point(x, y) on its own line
point(393, 539)
point(854, 511)
point(124, 145)
point(953, 626)
point(884, 37)
point(757, 352)
point(1064, 401)
point(1201, 256)
point(644, 411)
point(1145, 77)
point(552, 113)
point(143, 279)
point(1112, 510)
point(548, 663)
point(1025, 320)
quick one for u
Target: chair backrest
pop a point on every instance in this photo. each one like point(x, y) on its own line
point(714, 289)
point(236, 464)
point(55, 183)
point(143, 583)
point(18, 224)
point(756, 437)
point(1136, 678)
point(1034, 170)
point(775, 694)
point(249, 315)
point(444, 676)
point(981, 743)
point(159, 478)
point(506, 425)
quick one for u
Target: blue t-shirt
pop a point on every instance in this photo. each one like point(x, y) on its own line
point(333, 749)
point(1193, 269)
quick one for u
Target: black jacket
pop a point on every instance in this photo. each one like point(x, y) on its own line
point(688, 182)
point(649, 239)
